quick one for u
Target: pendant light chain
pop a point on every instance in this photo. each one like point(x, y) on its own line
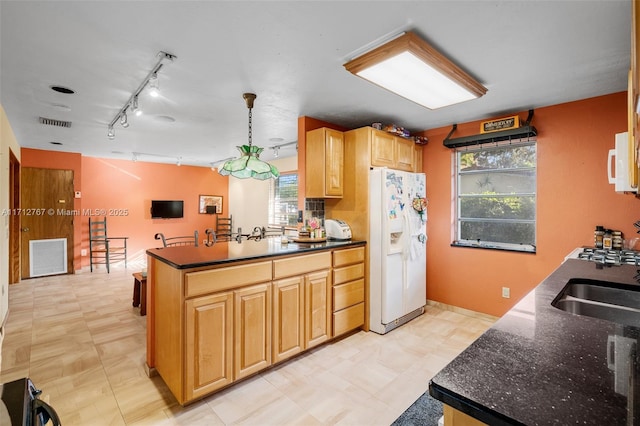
point(250, 127)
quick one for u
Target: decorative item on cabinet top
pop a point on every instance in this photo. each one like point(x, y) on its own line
point(400, 131)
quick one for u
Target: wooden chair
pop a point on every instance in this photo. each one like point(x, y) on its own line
point(224, 227)
point(104, 249)
point(191, 240)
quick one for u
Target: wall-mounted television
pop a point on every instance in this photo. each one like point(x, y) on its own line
point(165, 209)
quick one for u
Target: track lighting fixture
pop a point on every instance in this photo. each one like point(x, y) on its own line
point(150, 80)
point(276, 148)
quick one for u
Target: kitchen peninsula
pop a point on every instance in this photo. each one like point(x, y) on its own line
point(218, 314)
point(540, 365)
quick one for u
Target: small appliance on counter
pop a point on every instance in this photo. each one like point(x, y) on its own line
point(21, 406)
point(337, 230)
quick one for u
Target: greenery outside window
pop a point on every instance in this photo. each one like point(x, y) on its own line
point(283, 201)
point(496, 196)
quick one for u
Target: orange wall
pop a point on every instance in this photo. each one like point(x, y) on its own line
point(116, 186)
point(573, 197)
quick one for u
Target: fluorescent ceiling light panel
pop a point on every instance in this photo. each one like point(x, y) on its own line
point(411, 68)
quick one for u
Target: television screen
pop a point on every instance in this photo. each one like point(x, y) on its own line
point(163, 209)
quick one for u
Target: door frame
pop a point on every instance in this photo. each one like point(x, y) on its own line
point(14, 219)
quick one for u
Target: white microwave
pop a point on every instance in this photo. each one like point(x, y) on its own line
point(619, 175)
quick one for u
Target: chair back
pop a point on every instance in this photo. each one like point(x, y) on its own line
point(190, 240)
point(224, 227)
point(97, 229)
point(104, 249)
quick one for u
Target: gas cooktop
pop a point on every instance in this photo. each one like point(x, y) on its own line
point(610, 257)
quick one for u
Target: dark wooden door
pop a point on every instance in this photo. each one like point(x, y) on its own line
point(46, 210)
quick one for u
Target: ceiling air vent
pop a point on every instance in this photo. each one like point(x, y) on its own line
point(53, 122)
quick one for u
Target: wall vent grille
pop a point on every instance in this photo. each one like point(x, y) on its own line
point(54, 122)
point(47, 257)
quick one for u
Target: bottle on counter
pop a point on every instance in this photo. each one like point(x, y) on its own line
point(607, 239)
point(616, 240)
point(598, 235)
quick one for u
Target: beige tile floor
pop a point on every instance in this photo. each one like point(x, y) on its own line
point(80, 340)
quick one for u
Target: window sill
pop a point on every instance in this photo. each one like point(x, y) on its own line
point(488, 246)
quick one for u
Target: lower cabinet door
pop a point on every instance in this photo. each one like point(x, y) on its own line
point(252, 325)
point(288, 317)
point(209, 340)
point(317, 308)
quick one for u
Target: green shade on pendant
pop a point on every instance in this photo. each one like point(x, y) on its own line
point(249, 165)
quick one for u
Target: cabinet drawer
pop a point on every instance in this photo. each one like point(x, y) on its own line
point(301, 264)
point(347, 256)
point(348, 294)
point(348, 273)
point(348, 319)
point(211, 281)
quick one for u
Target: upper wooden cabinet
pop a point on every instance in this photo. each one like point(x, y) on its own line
point(633, 95)
point(394, 152)
point(417, 155)
point(324, 164)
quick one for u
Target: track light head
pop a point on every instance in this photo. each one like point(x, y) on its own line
point(123, 120)
point(111, 134)
point(135, 108)
point(154, 86)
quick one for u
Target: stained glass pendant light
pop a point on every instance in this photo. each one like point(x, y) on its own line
point(249, 165)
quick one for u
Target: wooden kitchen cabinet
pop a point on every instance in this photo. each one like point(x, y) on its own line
point(348, 290)
point(209, 344)
point(382, 149)
point(252, 329)
point(317, 288)
point(324, 164)
point(404, 154)
point(417, 155)
point(633, 99)
point(212, 325)
point(310, 275)
point(388, 150)
point(288, 318)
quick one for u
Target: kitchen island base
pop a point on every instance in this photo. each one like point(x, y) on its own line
point(211, 324)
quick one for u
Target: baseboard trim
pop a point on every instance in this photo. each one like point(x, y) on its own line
point(462, 311)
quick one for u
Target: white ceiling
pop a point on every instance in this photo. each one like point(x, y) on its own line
point(528, 54)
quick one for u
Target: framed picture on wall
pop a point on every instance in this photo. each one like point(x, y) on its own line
point(210, 204)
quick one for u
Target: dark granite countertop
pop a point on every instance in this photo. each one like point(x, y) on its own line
point(184, 257)
point(539, 365)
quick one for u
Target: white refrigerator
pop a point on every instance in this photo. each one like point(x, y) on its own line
point(397, 248)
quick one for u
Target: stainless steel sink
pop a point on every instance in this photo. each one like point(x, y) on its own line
point(619, 303)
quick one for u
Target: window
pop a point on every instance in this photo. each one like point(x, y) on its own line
point(283, 200)
point(496, 196)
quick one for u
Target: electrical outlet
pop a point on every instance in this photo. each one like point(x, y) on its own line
point(83, 252)
point(506, 292)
